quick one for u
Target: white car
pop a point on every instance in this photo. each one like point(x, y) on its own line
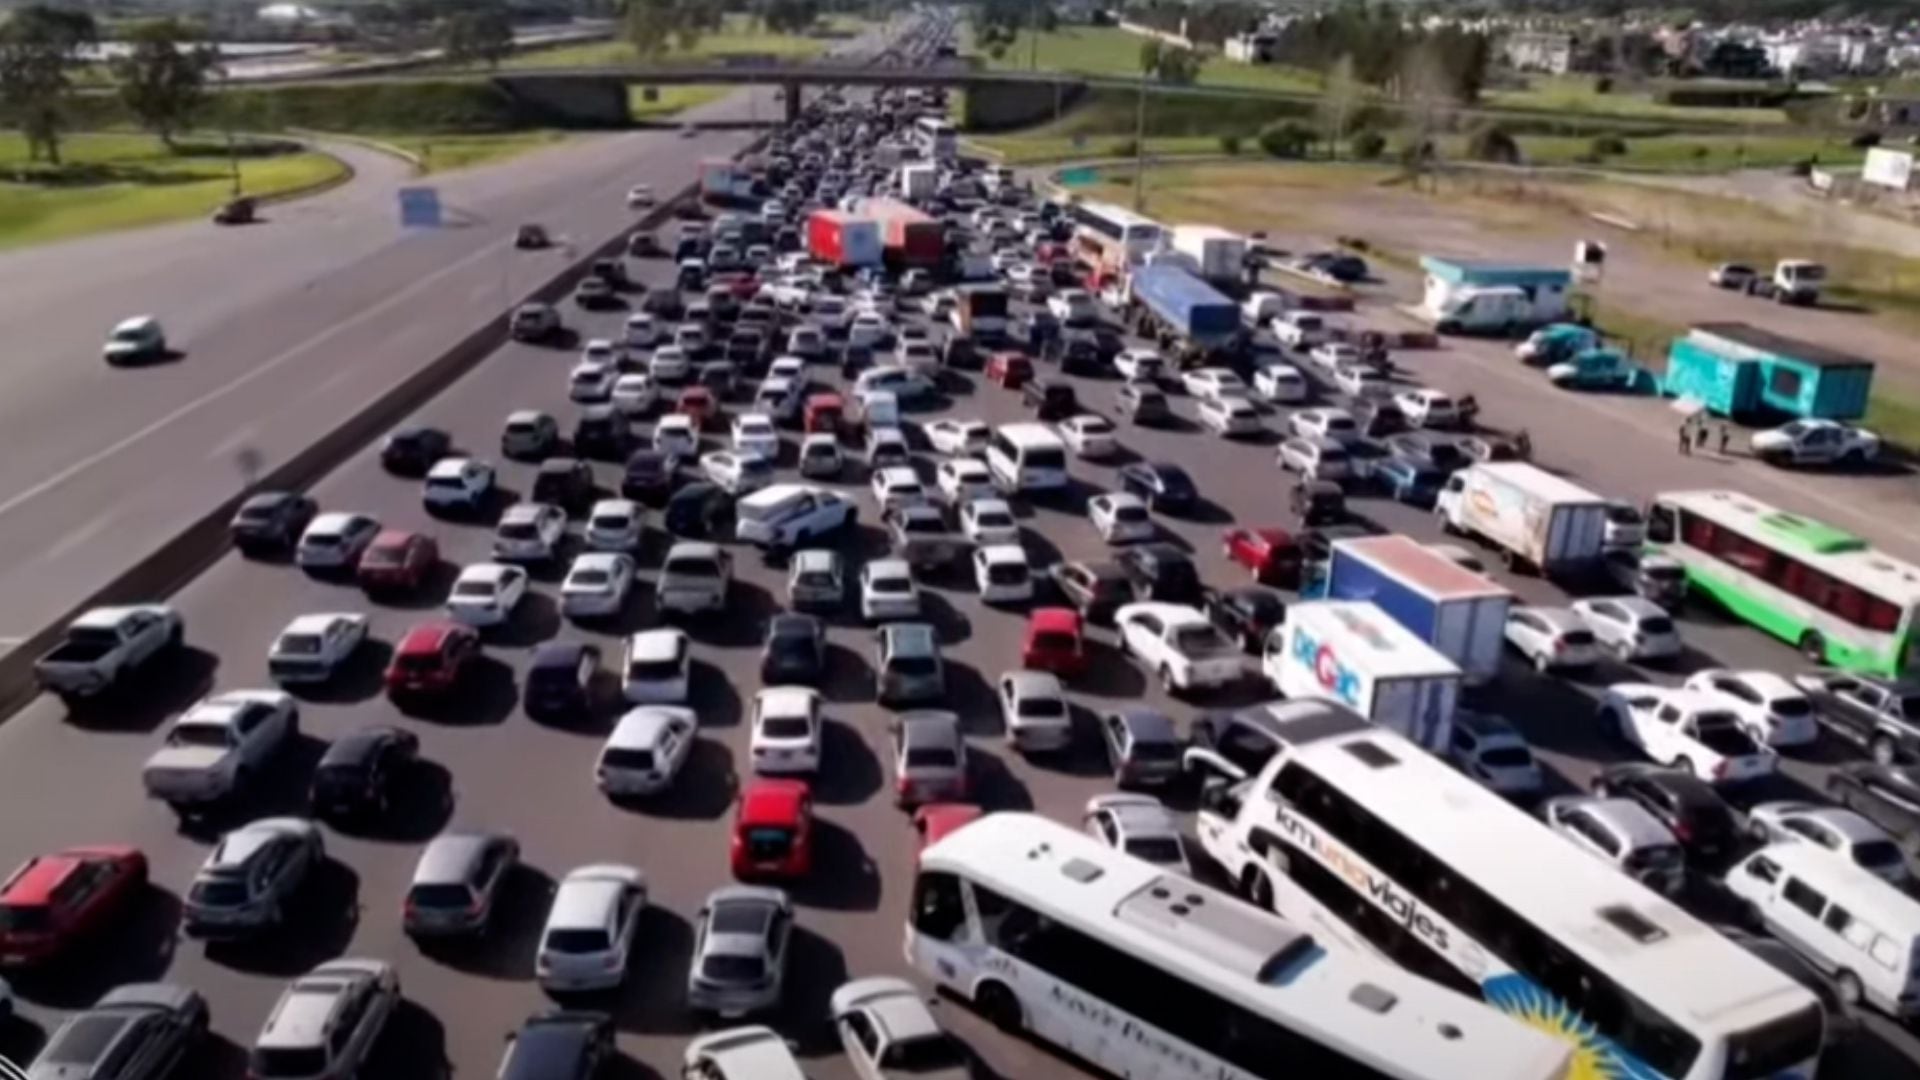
point(643, 331)
point(215, 747)
point(1179, 646)
point(640, 196)
point(334, 541)
point(750, 1052)
point(736, 473)
point(1139, 825)
point(590, 928)
point(1299, 329)
point(989, 521)
point(647, 749)
point(1336, 424)
point(1121, 518)
point(486, 594)
point(807, 342)
point(1362, 381)
point(1230, 417)
point(591, 383)
point(600, 352)
point(656, 667)
point(1551, 638)
point(898, 485)
point(788, 367)
point(1621, 833)
point(963, 479)
point(1002, 574)
point(529, 532)
point(1035, 712)
point(902, 382)
point(678, 435)
point(1773, 709)
point(1427, 407)
point(821, 457)
point(1491, 750)
point(888, 591)
point(457, 483)
point(755, 436)
point(1685, 729)
point(868, 329)
point(1815, 442)
point(614, 525)
point(692, 338)
point(1316, 459)
point(1139, 365)
point(636, 394)
point(1843, 833)
point(670, 363)
point(1331, 356)
point(889, 1033)
point(939, 304)
point(887, 447)
point(1074, 307)
point(1212, 384)
point(781, 398)
point(313, 647)
point(1282, 384)
point(1092, 437)
point(1631, 627)
point(597, 585)
point(786, 735)
point(959, 438)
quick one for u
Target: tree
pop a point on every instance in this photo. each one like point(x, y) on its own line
point(39, 47)
point(1169, 63)
point(1286, 139)
point(1492, 143)
point(650, 24)
point(482, 34)
point(163, 83)
point(1339, 93)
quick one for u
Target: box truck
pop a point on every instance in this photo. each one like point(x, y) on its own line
point(980, 311)
point(844, 240)
point(908, 237)
point(1354, 654)
point(1190, 308)
point(1220, 253)
point(1537, 520)
point(919, 182)
point(1461, 614)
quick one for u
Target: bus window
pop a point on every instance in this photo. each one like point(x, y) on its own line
point(937, 909)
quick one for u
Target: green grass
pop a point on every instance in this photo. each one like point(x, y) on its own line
point(114, 181)
point(1115, 53)
point(1896, 420)
point(1688, 153)
point(447, 152)
point(1576, 94)
point(1040, 149)
point(671, 99)
point(741, 35)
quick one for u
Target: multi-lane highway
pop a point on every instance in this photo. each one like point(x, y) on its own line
point(70, 782)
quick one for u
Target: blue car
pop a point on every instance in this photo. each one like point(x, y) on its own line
point(1408, 482)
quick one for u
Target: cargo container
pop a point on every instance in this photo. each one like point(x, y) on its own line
point(919, 182)
point(1745, 372)
point(1182, 303)
point(908, 237)
point(1354, 654)
point(1536, 519)
point(1463, 615)
point(1221, 254)
point(980, 311)
point(725, 183)
point(844, 240)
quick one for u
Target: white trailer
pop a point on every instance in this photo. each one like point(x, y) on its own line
point(1220, 254)
point(1356, 655)
point(1536, 519)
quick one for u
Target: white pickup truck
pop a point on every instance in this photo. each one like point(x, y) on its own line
point(106, 645)
point(1178, 645)
point(1686, 729)
point(218, 746)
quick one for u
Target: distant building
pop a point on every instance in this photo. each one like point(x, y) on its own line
point(1254, 48)
point(1549, 51)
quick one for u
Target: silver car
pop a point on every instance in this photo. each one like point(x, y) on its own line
point(890, 1034)
point(1631, 627)
point(245, 884)
point(907, 657)
point(740, 951)
point(929, 758)
point(326, 1022)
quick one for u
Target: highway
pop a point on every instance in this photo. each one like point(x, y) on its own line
point(70, 782)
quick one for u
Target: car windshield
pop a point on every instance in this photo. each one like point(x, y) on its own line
point(622, 757)
point(300, 644)
point(215, 735)
point(1722, 733)
point(731, 968)
point(25, 919)
point(1199, 641)
point(583, 940)
point(613, 522)
point(218, 892)
point(1658, 624)
point(766, 842)
point(1659, 856)
point(890, 585)
point(1507, 757)
point(270, 1063)
point(592, 576)
point(786, 727)
point(928, 1053)
point(1155, 849)
point(477, 589)
point(440, 896)
point(993, 519)
point(1043, 706)
point(652, 670)
point(1006, 573)
point(1129, 513)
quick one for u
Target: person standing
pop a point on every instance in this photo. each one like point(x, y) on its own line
point(1725, 434)
point(1700, 434)
point(1686, 436)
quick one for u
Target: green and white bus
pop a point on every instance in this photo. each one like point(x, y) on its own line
point(1820, 589)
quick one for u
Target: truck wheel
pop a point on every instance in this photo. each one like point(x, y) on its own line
point(1847, 985)
point(1685, 765)
point(1000, 1007)
point(1813, 647)
point(1883, 750)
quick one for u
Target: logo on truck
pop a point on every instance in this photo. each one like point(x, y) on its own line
point(1336, 678)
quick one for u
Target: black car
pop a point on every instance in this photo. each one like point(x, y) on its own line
point(593, 292)
point(1245, 739)
point(1079, 352)
point(1246, 614)
point(1316, 544)
point(664, 304)
point(649, 476)
point(795, 651)
point(565, 482)
point(613, 272)
point(1317, 502)
point(1691, 810)
point(1165, 487)
point(564, 1045)
point(531, 238)
point(560, 680)
point(1096, 590)
point(601, 432)
point(1887, 795)
point(748, 349)
point(1143, 746)
point(411, 451)
point(1161, 572)
point(1842, 1023)
point(140, 1031)
point(644, 245)
point(271, 521)
point(1377, 419)
point(1051, 400)
point(699, 509)
point(359, 773)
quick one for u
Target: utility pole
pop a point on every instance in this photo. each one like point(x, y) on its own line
point(226, 123)
point(1140, 147)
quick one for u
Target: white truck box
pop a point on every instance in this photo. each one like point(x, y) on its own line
point(1356, 655)
point(1535, 518)
point(1220, 253)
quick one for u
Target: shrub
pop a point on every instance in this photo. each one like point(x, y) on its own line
point(1286, 139)
point(1124, 148)
point(1230, 144)
point(1492, 143)
point(1606, 146)
point(1367, 145)
point(1864, 140)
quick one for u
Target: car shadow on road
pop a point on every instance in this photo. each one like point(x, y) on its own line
point(507, 949)
point(361, 677)
point(423, 802)
point(536, 619)
point(815, 969)
point(1109, 673)
point(214, 1057)
point(844, 876)
point(749, 607)
point(714, 697)
point(994, 785)
point(972, 698)
point(316, 926)
point(654, 999)
point(153, 695)
point(950, 625)
point(21, 1038)
point(703, 791)
point(137, 948)
point(848, 677)
point(413, 1046)
point(850, 772)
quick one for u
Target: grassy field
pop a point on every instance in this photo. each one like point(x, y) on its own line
point(123, 181)
point(439, 153)
point(671, 99)
point(1577, 94)
point(740, 36)
point(1113, 52)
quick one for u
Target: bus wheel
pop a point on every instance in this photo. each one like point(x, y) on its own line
point(1883, 750)
point(1258, 890)
point(999, 1006)
point(1847, 985)
point(1813, 647)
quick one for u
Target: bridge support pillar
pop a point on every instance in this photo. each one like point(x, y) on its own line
point(791, 91)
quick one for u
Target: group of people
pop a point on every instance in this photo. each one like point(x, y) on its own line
point(1693, 434)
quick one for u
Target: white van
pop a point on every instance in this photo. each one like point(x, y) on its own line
point(1027, 457)
point(1844, 920)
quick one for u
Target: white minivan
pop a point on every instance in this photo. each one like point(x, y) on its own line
point(1846, 921)
point(1027, 457)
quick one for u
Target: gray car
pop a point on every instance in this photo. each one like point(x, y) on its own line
point(326, 1022)
point(889, 1033)
point(740, 951)
point(137, 1032)
point(929, 758)
point(1143, 746)
point(245, 884)
point(455, 883)
point(907, 656)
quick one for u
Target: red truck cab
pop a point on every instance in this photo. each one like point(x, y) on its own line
point(1271, 555)
point(773, 831)
point(936, 820)
point(824, 414)
point(53, 899)
point(1054, 642)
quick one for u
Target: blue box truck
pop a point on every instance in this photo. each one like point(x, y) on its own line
point(1463, 615)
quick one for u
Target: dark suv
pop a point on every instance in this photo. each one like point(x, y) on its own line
point(1161, 572)
point(1691, 810)
point(357, 775)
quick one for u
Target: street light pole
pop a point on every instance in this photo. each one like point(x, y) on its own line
point(226, 122)
point(1140, 147)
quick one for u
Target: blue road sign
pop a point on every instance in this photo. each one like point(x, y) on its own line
point(1079, 177)
point(419, 208)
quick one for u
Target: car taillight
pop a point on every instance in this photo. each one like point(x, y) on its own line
point(1559, 646)
point(903, 785)
point(1682, 831)
point(1720, 770)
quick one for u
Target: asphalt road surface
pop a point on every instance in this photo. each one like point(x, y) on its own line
point(74, 780)
point(283, 328)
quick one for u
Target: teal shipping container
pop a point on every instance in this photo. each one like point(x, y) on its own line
point(1747, 373)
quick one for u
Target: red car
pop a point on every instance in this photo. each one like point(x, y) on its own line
point(432, 659)
point(1271, 555)
point(1054, 642)
point(53, 899)
point(936, 820)
point(398, 561)
point(1011, 370)
point(824, 414)
point(773, 830)
point(697, 402)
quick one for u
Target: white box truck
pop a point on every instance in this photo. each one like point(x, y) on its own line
point(1537, 520)
point(1461, 614)
point(919, 182)
point(1356, 655)
point(1220, 254)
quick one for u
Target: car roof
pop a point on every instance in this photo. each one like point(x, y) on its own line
point(358, 747)
point(558, 655)
point(1034, 683)
point(429, 637)
point(910, 637)
point(693, 549)
point(663, 643)
point(332, 521)
point(1148, 725)
point(1628, 818)
point(642, 728)
point(1054, 619)
point(787, 700)
point(450, 857)
point(587, 894)
point(770, 801)
point(553, 1045)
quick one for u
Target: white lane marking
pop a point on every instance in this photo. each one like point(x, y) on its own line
point(76, 537)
